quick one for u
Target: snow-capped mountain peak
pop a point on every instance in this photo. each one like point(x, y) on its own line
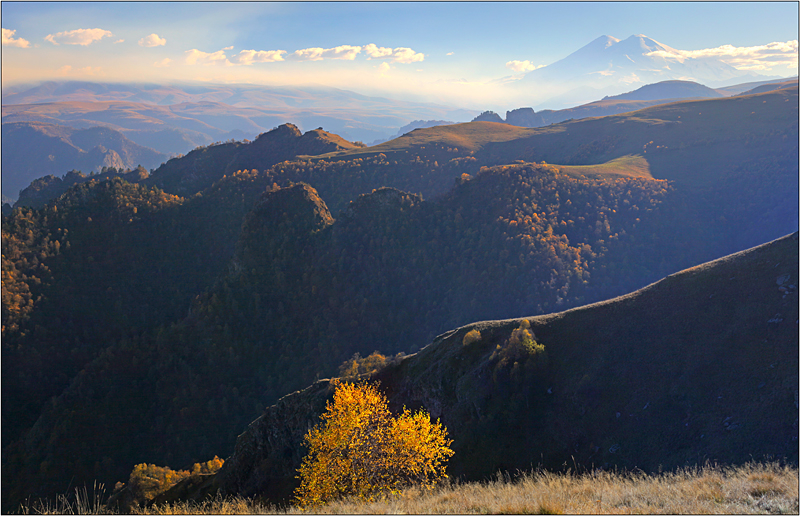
point(609, 66)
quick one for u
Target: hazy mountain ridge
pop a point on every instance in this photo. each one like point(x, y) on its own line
point(32, 150)
point(663, 92)
point(669, 90)
point(185, 116)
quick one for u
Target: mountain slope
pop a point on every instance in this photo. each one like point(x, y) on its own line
point(203, 166)
point(649, 95)
point(32, 150)
point(701, 365)
point(770, 87)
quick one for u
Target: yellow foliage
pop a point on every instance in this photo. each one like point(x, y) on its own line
point(361, 450)
point(520, 351)
point(471, 336)
point(356, 366)
point(148, 480)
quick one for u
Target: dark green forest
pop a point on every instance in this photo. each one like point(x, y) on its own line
point(149, 317)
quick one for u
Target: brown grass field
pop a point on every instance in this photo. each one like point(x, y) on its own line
point(749, 489)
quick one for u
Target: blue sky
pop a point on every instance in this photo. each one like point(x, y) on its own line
point(416, 48)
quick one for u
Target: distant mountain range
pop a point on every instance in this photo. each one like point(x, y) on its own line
point(177, 118)
point(608, 66)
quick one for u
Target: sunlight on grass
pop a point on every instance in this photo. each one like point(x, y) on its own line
point(625, 166)
point(748, 489)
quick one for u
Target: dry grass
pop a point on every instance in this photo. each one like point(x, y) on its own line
point(79, 502)
point(748, 489)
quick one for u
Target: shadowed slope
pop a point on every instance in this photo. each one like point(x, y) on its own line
point(701, 365)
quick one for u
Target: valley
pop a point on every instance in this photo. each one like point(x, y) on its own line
point(160, 311)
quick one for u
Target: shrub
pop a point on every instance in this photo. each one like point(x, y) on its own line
point(521, 356)
point(361, 450)
point(356, 366)
point(148, 480)
point(471, 337)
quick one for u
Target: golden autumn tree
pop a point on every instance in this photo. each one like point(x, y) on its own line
point(360, 449)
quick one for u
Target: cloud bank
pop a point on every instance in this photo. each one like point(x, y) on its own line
point(522, 66)
point(248, 57)
point(760, 57)
point(396, 55)
point(195, 56)
point(345, 52)
point(81, 37)
point(402, 55)
point(10, 41)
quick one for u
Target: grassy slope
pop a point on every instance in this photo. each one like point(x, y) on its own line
point(693, 141)
point(626, 166)
point(467, 137)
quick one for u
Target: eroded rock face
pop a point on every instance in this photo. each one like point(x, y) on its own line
point(267, 455)
point(488, 116)
point(524, 117)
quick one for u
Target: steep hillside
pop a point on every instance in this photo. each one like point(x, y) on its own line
point(700, 366)
point(108, 260)
point(33, 150)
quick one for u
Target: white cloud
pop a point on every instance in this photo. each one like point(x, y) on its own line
point(450, 53)
point(78, 37)
point(406, 55)
point(11, 41)
point(346, 52)
point(396, 55)
point(522, 66)
point(228, 48)
point(195, 56)
point(163, 63)
point(119, 41)
point(248, 57)
point(373, 51)
point(152, 41)
point(383, 69)
point(760, 57)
